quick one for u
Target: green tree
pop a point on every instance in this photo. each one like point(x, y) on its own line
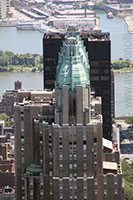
point(99, 5)
point(4, 60)
point(41, 59)
point(10, 54)
point(1, 53)
point(128, 190)
point(6, 118)
point(127, 171)
point(129, 120)
point(27, 55)
point(130, 135)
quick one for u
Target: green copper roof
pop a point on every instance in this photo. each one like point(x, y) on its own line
point(73, 64)
point(33, 168)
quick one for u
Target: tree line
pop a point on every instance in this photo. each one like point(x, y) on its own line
point(10, 61)
point(121, 64)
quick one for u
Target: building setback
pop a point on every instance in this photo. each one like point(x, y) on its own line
point(98, 46)
point(60, 150)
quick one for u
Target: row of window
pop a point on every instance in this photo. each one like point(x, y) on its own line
point(96, 78)
point(96, 71)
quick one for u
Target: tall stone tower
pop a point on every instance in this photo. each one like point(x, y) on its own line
point(60, 150)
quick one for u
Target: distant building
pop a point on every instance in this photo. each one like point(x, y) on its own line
point(126, 1)
point(7, 179)
point(27, 60)
point(4, 8)
point(17, 85)
point(2, 125)
point(60, 150)
point(7, 102)
point(8, 99)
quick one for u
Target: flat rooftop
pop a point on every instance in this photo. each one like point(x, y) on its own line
point(109, 165)
point(76, 12)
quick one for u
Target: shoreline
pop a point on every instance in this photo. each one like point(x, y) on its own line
point(129, 24)
point(16, 71)
point(30, 71)
point(122, 71)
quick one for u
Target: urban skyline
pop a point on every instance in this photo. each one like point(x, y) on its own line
point(65, 137)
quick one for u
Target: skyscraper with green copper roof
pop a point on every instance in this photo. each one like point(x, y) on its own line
point(73, 63)
point(59, 146)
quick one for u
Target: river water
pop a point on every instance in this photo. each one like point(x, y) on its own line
point(31, 42)
point(124, 94)
point(121, 40)
point(20, 42)
point(30, 80)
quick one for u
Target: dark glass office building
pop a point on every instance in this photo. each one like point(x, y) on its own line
point(98, 46)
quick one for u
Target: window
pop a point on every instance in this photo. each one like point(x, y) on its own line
point(104, 193)
point(85, 196)
point(75, 189)
point(22, 160)
point(116, 194)
point(75, 156)
point(105, 183)
point(94, 63)
point(84, 147)
point(60, 148)
point(106, 91)
point(70, 156)
point(50, 164)
point(94, 78)
point(71, 188)
point(50, 174)
point(85, 188)
point(22, 140)
point(94, 71)
point(84, 142)
point(70, 175)
point(84, 166)
point(115, 183)
point(95, 154)
point(74, 148)
point(61, 189)
point(49, 61)
point(70, 166)
point(95, 140)
point(75, 166)
point(106, 71)
point(60, 137)
point(60, 157)
point(31, 193)
point(104, 78)
point(75, 175)
point(61, 166)
point(96, 192)
point(41, 193)
point(84, 156)
point(85, 175)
